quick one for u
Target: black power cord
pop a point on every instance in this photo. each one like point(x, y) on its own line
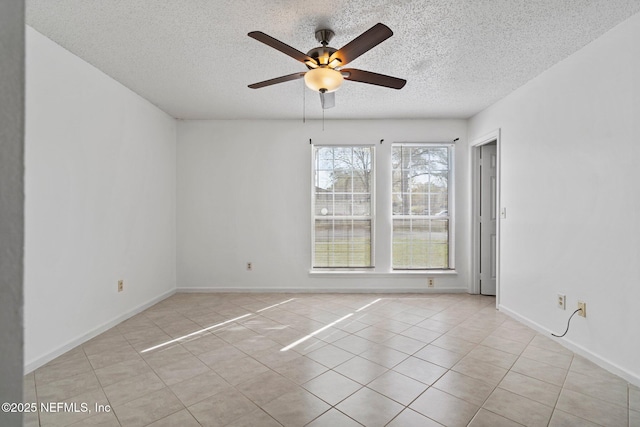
point(568, 322)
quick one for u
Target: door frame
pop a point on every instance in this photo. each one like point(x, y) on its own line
point(474, 151)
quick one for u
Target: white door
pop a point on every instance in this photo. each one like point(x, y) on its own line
point(488, 218)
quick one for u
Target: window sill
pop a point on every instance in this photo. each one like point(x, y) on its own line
point(397, 273)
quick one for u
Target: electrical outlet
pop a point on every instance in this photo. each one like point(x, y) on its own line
point(562, 301)
point(249, 266)
point(120, 285)
point(583, 309)
point(430, 282)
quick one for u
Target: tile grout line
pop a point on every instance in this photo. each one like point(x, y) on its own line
point(315, 314)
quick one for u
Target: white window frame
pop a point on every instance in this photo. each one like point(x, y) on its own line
point(372, 209)
point(450, 204)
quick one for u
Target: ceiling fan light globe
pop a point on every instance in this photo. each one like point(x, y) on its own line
point(323, 78)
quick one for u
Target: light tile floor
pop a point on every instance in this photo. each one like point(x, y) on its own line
point(369, 359)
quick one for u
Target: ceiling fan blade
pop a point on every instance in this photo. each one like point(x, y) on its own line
point(282, 47)
point(282, 79)
point(362, 76)
point(327, 100)
point(364, 42)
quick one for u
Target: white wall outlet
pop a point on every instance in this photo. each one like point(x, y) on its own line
point(562, 301)
point(249, 266)
point(120, 285)
point(431, 282)
point(583, 309)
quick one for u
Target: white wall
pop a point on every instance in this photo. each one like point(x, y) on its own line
point(100, 201)
point(11, 204)
point(570, 152)
point(244, 195)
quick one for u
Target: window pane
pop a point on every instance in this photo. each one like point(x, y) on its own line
point(397, 203)
point(362, 204)
point(323, 242)
point(324, 158)
point(343, 159)
point(361, 243)
point(420, 206)
point(361, 181)
point(397, 184)
point(324, 180)
point(324, 204)
point(401, 243)
point(420, 243)
point(342, 243)
point(342, 207)
point(439, 250)
point(342, 181)
point(439, 159)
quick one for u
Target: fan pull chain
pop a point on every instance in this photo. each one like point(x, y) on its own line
point(323, 120)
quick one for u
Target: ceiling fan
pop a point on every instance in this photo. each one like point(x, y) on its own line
point(324, 62)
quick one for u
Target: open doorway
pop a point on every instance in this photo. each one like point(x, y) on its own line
point(486, 204)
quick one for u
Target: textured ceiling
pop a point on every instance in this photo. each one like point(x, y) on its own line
point(194, 60)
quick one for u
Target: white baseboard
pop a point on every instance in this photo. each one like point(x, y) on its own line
point(576, 348)
point(325, 290)
point(40, 361)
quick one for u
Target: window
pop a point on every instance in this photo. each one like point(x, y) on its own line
point(342, 206)
point(421, 208)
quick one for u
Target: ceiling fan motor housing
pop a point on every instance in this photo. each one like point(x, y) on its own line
point(321, 54)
